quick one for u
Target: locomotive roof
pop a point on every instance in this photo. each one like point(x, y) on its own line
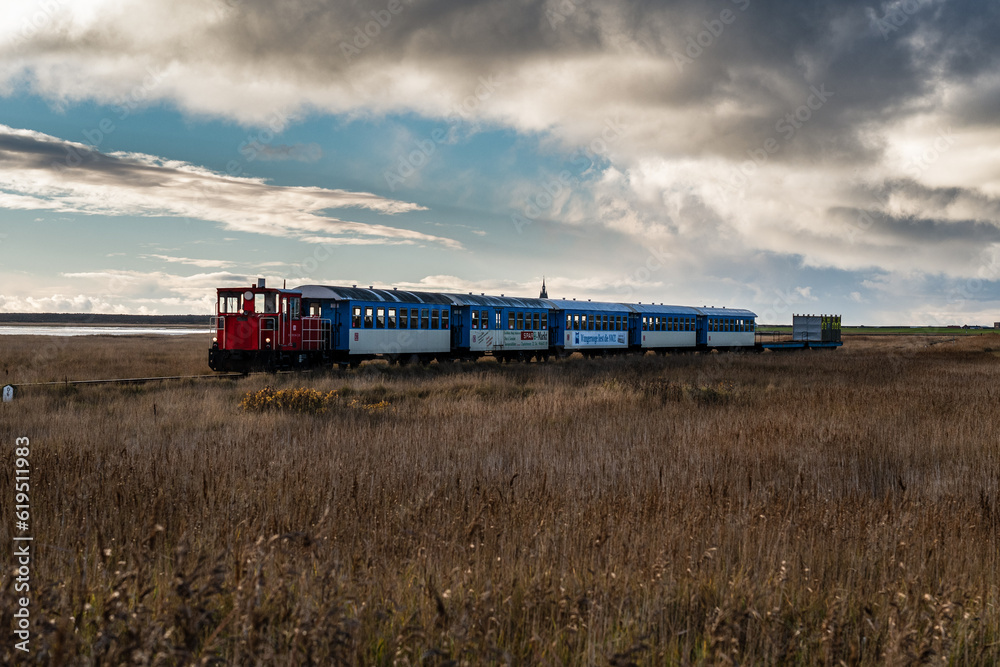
point(363, 294)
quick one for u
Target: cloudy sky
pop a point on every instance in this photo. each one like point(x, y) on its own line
point(813, 156)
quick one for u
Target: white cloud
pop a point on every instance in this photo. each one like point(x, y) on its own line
point(38, 171)
point(201, 263)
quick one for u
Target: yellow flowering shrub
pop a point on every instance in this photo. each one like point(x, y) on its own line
point(296, 400)
point(307, 401)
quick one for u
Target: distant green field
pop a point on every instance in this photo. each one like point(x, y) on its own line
point(923, 331)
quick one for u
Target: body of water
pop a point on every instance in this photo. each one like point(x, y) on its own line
point(42, 330)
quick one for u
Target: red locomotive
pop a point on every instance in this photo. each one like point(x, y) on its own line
point(261, 327)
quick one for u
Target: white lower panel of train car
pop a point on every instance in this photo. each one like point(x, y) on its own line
point(655, 339)
point(506, 340)
point(730, 339)
point(399, 341)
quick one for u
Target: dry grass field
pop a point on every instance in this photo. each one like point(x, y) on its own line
point(809, 508)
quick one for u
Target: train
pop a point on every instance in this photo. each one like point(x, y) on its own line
point(264, 328)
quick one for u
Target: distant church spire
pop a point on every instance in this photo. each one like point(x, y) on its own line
point(544, 294)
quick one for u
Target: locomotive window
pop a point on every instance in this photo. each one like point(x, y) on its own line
point(229, 303)
point(391, 321)
point(445, 319)
point(424, 319)
point(356, 318)
point(520, 320)
point(267, 324)
point(295, 305)
point(368, 318)
point(380, 318)
point(475, 319)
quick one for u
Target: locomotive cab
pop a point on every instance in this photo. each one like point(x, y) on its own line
point(255, 326)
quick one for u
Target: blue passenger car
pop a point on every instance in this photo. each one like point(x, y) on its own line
point(393, 324)
point(589, 327)
point(726, 328)
point(508, 328)
point(663, 327)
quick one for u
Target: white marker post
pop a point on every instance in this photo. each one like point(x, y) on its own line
point(8, 393)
